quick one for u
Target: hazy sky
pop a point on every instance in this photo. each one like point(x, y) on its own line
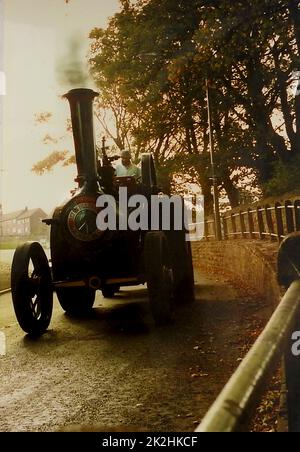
point(37, 38)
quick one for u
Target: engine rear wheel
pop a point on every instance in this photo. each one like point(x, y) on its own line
point(182, 265)
point(149, 178)
point(31, 286)
point(159, 277)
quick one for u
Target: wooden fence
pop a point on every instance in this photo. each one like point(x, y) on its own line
point(265, 222)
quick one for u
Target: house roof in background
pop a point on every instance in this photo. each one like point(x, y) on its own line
point(22, 214)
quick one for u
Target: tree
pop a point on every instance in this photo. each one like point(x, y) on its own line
point(55, 157)
point(254, 65)
point(151, 63)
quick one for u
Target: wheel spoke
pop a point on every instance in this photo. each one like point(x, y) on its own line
point(35, 302)
point(36, 306)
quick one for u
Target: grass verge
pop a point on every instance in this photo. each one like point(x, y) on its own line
point(4, 276)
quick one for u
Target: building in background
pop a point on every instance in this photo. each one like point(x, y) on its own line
point(23, 224)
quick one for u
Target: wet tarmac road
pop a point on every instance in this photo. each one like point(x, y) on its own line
point(115, 369)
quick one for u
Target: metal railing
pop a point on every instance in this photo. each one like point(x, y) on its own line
point(273, 222)
point(236, 405)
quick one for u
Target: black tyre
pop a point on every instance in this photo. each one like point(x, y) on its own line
point(31, 286)
point(182, 265)
point(110, 291)
point(76, 301)
point(159, 276)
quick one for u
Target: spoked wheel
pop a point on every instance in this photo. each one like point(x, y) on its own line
point(76, 301)
point(159, 276)
point(31, 286)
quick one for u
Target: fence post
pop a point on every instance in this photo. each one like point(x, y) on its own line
point(251, 223)
point(289, 217)
point(297, 214)
point(233, 223)
point(279, 221)
point(243, 225)
point(260, 221)
point(225, 228)
point(270, 223)
point(206, 231)
point(214, 228)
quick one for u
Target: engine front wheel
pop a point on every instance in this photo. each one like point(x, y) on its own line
point(110, 291)
point(77, 301)
point(31, 286)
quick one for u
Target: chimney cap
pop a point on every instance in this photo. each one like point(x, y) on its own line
point(80, 92)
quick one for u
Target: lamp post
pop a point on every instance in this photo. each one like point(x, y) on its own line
point(218, 230)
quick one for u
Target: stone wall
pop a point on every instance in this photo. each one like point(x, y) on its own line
point(250, 264)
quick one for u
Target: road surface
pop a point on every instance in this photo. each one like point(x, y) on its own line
point(116, 370)
point(6, 256)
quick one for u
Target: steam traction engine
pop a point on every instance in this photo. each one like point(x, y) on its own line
point(85, 259)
